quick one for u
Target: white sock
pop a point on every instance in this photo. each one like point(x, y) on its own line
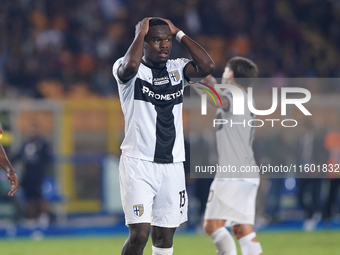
point(248, 247)
point(162, 251)
point(224, 242)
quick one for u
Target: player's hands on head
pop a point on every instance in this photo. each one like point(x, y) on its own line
point(143, 27)
point(174, 30)
point(14, 181)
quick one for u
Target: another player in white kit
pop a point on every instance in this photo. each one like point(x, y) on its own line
point(231, 201)
point(151, 167)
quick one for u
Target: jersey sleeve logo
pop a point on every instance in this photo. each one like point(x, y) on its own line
point(138, 210)
point(174, 75)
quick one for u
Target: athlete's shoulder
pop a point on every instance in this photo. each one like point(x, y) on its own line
point(116, 66)
point(233, 89)
point(227, 93)
point(180, 62)
point(118, 61)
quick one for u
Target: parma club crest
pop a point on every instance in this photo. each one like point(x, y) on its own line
point(174, 75)
point(138, 210)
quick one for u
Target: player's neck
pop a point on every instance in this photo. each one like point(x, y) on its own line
point(238, 85)
point(152, 64)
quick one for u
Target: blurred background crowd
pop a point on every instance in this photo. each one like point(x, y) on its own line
point(60, 49)
point(64, 50)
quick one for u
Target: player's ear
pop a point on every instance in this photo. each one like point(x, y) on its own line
point(231, 74)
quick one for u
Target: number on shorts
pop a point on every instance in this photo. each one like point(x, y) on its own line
point(181, 198)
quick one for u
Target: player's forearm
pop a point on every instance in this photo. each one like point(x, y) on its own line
point(205, 65)
point(201, 92)
point(225, 101)
point(4, 162)
point(132, 58)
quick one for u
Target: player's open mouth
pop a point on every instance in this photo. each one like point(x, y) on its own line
point(164, 54)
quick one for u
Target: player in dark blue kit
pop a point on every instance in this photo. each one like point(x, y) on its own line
point(151, 167)
point(35, 155)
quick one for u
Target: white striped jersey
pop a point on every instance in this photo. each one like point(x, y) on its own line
point(152, 105)
point(234, 141)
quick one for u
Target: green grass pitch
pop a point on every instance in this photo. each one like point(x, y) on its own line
point(287, 243)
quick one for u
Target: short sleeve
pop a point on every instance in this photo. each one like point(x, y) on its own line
point(182, 63)
point(115, 67)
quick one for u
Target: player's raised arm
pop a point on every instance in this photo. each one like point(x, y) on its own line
point(204, 65)
point(211, 81)
point(133, 56)
point(12, 177)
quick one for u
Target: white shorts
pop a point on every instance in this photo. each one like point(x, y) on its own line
point(152, 192)
point(233, 201)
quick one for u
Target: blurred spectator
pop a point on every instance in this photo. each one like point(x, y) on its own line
point(280, 153)
point(35, 155)
point(332, 143)
point(261, 150)
point(310, 150)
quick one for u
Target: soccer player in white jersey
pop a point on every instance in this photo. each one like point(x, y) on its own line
point(231, 201)
point(151, 166)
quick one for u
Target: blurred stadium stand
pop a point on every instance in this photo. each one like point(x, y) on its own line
point(60, 49)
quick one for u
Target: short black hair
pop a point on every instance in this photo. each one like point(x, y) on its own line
point(245, 71)
point(157, 22)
